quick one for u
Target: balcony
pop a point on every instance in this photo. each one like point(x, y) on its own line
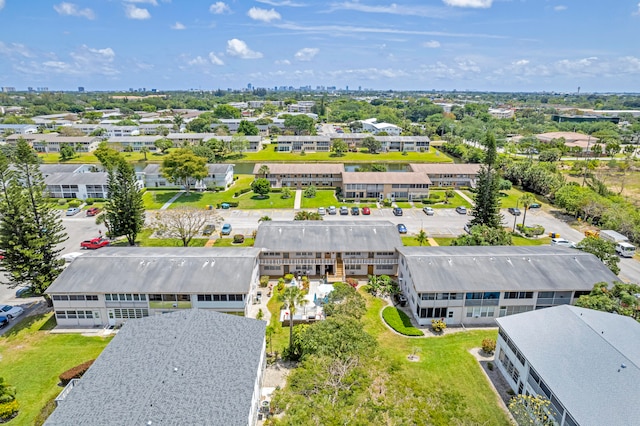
point(370, 261)
point(297, 261)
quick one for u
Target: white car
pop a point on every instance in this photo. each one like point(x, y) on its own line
point(332, 210)
point(322, 211)
point(72, 211)
point(562, 242)
point(428, 211)
point(11, 311)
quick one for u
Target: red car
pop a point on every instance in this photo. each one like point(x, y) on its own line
point(366, 210)
point(93, 211)
point(94, 244)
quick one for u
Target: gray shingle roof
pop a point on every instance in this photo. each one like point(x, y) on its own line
point(192, 367)
point(300, 168)
point(578, 353)
point(317, 236)
point(506, 268)
point(94, 178)
point(446, 168)
point(187, 270)
point(386, 178)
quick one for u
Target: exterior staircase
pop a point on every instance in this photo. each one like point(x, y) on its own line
point(338, 274)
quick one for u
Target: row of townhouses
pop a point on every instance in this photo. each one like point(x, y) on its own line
point(322, 143)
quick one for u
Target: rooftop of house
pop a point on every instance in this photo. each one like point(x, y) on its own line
point(188, 270)
point(66, 178)
point(188, 367)
point(583, 356)
point(317, 236)
point(300, 168)
point(52, 137)
point(568, 137)
point(385, 178)
point(446, 168)
point(503, 268)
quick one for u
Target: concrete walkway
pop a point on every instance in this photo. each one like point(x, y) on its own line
point(463, 195)
point(298, 200)
point(168, 203)
point(432, 242)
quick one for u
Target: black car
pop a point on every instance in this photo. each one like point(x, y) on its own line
point(401, 299)
point(534, 206)
point(397, 211)
point(514, 211)
point(208, 230)
point(355, 211)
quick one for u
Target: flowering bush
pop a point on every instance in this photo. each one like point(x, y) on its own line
point(488, 346)
point(438, 325)
point(352, 282)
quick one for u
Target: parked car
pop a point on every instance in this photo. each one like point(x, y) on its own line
point(93, 211)
point(534, 206)
point(366, 210)
point(514, 211)
point(322, 211)
point(3, 321)
point(402, 229)
point(397, 211)
point(355, 211)
point(562, 242)
point(226, 229)
point(94, 243)
point(429, 211)
point(208, 229)
point(332, 210)
point(72, 211)
point(23, 290)
point(344, 210)
point(69, 257)
point(467, 228)
point(461, 209)
point(401, 299)
point(11, 311)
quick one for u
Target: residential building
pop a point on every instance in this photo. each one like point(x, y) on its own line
point(135, 142)
point(233, 123)
point(502, 113)
point(52, 142)
point(218, 175)
point(301, 107)
point(572, 139)
point(111, 285)
point(390, 185)
point(354, 140)
point(371, 125)
point(298, 175)
point(586, 362)
point(473, 285)
point(80, 181)
point(18, 129)
point(112, 131)
point(188, 367)
point(449, 174)
point(304, 143)
point(334, 250)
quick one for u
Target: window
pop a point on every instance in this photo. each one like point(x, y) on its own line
point(389, 267)
point(204, 298)
point(432, 312)
point(130, 313)
point(511, 310)
point(352, 267)
point(518, 295)
point(428, 296)
point(480, 311)
point(61, 314)
point(60, 297)
point(236, 298)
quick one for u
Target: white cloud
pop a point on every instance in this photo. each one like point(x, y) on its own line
point(476, 4)
point(71, 9)
point(263, 14)
point(240, 49)
point(431, 44)
point(219, 8)
point(198, 60)
point(1, 4)
point(560, 8)
point(178, 26)
point(133, 12)
point(283, 62)
point(281, 3)
point(637, 12)
point(306, 54)
point(214, 59)
point(151, 2)
point(15, 49)
point(521, 62)
point(393, 9)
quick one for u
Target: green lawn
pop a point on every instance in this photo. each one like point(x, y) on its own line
point(144, 240)
point(269, 155)
point(516, 239)
point(411, 242)
point(444, 360)
point(323, 198)
point(228, 242)
point(454, 202)
point(273, 200)
point(89, 158)
point(508, 198)
point(32, 360)
point(444, 241)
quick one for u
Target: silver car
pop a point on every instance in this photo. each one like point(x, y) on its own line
point(429, 211)
point(11, 311)
point(562, 242)
point(322, 211)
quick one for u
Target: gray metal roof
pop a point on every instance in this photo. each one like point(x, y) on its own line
point(92, 178)
point(192, 367)
point(579, 354)
point(504, 268)
point(47, 169)
point(188, 270)
point(317, 236)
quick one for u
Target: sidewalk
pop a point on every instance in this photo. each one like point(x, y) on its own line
point(298, 200)
point(463, 195)
point(168, 203)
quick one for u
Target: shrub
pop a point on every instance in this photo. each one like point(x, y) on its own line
point(75, 372)
point(89, 201)
point(310, 192)
point(490, 366)
point(62, 202)
point(400, 322)
point(488, 346)
point(530, 231)
point(264, 281)
point(238, 239)
point(438, 325)
point(280, 286)
point(386, 202)
point(241, 191)
point(352, 282)
point(435, 196)
point(288, 278)
point(75, 203)
point(8, 410)
point(428, 201)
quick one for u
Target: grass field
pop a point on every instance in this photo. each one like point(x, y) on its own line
point(411, 242)
point(144, 240)
point(516, 239)
point(32, 360)
point(454, 202)
point(228, 242)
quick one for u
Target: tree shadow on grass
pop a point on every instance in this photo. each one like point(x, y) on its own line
point(193, 197)
point(260, 197)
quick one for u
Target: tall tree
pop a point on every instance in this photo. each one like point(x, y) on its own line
point(300, 124)
point(182, 166)
point(339, 147)
point(261, 186)
point(603, 250)
point(621, 298)
point(163, 145)
point(247, 128)
point(526, 200)
point(422, 238)
point(487, 204)
point(183, 223)
point(31, 231)
point(293, 297)
point(264, 170)
point(124, 209)
point(372, 144)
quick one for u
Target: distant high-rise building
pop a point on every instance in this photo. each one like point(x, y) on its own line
point(347, 88)
point(80, 89)
point(30, 89)
point(42, 89)
point(8, 89)
point(249, 86)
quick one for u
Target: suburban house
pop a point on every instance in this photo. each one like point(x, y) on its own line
point(586, 362)
point(371, 125)
point(296, 175)
point(572, 139)
point(218, 175)
point(389, 185)
point(52, 142)
point(109, 286)
point(472, 285)
point(334, 250)
point(193, 367)
point(449, 174)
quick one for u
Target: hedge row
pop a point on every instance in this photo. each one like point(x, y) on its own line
point(400, 322)
point(242, 191)
point(75, 372)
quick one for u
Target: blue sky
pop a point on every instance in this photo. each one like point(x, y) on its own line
point(501, 45)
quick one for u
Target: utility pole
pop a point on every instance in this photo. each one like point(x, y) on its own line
point(584, 174)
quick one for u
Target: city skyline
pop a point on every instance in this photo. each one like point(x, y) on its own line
point(478, 45)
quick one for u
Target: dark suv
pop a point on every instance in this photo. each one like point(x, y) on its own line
point(355, 211)
point(397, 211)
point(401, 299)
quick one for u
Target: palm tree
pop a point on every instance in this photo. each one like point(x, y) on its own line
point(177, 122)
point(526, 200)
point(269, 332)
point(144, 151)
point(293, 297)
point(421, 238)
point(264, 219)
point(264, 171)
